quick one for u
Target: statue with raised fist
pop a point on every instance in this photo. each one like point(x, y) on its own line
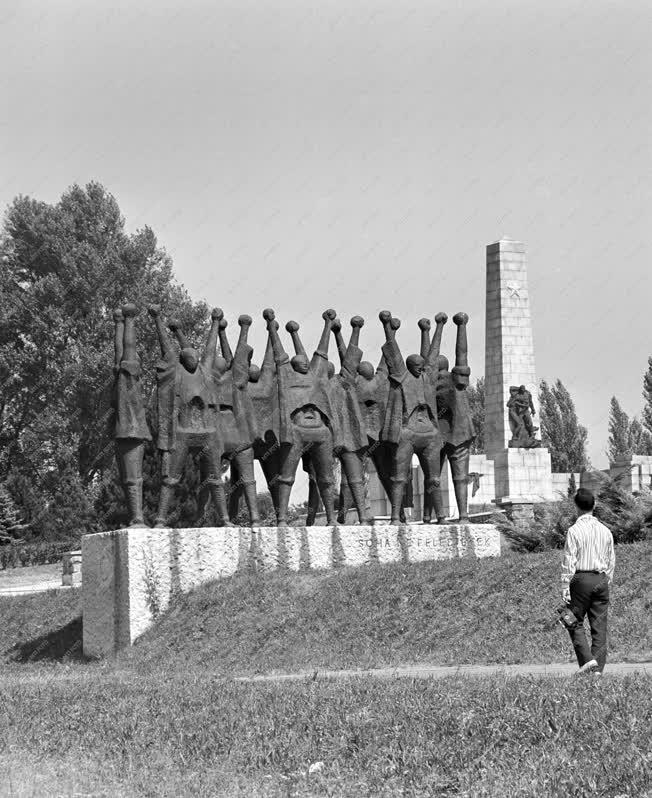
point(130, 429)
point(410, 422)
point(236, 417)
point(187, 399)
point(307, 418)
point(455, 420)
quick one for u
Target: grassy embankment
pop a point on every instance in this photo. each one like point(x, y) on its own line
point(447, 613)
point(164, 720)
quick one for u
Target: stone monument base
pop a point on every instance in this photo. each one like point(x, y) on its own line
point(523, 476)
point(131, 576)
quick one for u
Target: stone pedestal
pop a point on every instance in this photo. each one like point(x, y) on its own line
point(131, 576)
point(523, 476)
point(72, 569)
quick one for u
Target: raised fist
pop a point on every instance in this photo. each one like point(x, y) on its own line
point(357, 321)
point(268, 314)
point(395, 323)
point(292, 326)
point(424, 324)
point(441, 318)
point(329, 315)
point(154, 311)
point(336, 326)
point(460, 318)
point(385, 316)
point(174, 324)
point(245, 321)
point(129, 310)
point(217, 314)
point(117, 315)
point(223, 324)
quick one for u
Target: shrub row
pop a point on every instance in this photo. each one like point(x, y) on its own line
point(14, 555)
point(629, 517)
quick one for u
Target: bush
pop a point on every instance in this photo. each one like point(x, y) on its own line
point(14, 555)
point(628, 516)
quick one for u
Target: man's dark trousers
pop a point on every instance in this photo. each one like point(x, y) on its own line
point(589, 594)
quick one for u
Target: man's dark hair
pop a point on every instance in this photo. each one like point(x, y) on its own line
point(584, 500)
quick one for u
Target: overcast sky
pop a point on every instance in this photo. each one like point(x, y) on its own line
point(360, 155)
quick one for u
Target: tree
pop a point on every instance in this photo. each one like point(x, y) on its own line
point(639, 439)
point(626, 437)
point(476, 396)
point(647, 396)
point(561, 431)
point(10, 518)
point(64, 267)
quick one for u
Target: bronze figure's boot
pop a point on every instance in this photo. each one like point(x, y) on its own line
point(397, 500)
point(167, 492)
point(218, 495)
point(252, 503)
point(357, 490)
point(134, 493)
point(284, 491)
point(461, 492)
point(328, 500)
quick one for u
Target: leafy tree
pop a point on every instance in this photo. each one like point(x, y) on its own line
point(618, 444)
point(64, 267)
point(476, 395)
point(640, 440)
point(626, 436)
point(561, 431)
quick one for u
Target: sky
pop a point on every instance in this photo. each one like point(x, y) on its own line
point(361, 156)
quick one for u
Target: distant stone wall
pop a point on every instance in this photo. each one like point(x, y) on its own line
point(131, 576)
point(560, 484)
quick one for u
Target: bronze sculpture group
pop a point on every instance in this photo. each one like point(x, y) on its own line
point(295, 410)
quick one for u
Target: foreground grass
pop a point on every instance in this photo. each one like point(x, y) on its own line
point(198, 735)
point(446, 613)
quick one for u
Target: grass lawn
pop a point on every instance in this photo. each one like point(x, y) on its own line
point(165, 719)
point(194, 734)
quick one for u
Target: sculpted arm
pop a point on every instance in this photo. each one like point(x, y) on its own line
point(167, 351)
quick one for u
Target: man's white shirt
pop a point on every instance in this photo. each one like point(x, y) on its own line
point(589, 547)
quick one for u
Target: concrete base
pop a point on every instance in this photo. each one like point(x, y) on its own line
point(131, 576)
point(71, 569)
point(523, 475)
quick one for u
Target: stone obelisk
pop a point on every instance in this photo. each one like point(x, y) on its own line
point(522, 476)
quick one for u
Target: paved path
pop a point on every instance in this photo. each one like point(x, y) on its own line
point(35, 579)
point(442, 671)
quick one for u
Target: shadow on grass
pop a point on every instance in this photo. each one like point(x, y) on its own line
point(60, 645)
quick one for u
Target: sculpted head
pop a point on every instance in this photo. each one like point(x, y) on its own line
point(300, 364)
point(366, 370)
point(331, 370)
point(219, 364)
point(442, 363)
point(415, 365)
point(189, 359)
point(254, 373)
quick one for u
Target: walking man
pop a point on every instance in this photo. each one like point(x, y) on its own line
point(586, 573)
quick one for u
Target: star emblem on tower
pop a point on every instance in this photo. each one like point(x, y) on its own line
point(514, 289)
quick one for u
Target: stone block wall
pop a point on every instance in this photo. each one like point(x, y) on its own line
point(131, 576)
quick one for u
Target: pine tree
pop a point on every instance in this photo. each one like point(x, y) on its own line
point(618, 447)
point(10, 520)
point(647, 396)
point(561, 431)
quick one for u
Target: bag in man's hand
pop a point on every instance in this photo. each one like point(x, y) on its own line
point(566, 617)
